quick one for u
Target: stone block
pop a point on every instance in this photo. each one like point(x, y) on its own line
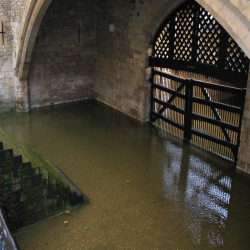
point(243, 137)
point(228, 15)
point(246, 114)
point(245, 156)
point(241, 165)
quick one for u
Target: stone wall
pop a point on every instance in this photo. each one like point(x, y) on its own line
point(7, 93)
point(120, 69)
point(243, 163)
point(10, 17)
point(63, 57)
point(111, 66)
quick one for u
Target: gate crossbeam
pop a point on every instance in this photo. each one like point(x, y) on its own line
point(218, 117)
point(165, 106)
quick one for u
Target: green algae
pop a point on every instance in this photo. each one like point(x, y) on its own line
point(28, 155)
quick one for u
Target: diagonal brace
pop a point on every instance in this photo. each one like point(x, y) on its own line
point(169, 102)
point(217, 115)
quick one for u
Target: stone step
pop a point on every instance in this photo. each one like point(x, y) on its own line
point(31, 195)
point(6, 154)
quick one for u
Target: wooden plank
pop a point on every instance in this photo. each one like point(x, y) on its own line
point(223, 88)
point(203, 118)
point(218, 105)
point(169, 76)
point(174, 95)
point(203, 69)
point(214, 139)
point(151, 102)
point(168, 105)
point(172, 92)
point(176, 124)
point(188, 110)
point(216, 113)
point(200, 83)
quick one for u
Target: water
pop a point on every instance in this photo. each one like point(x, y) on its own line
point(146, 190)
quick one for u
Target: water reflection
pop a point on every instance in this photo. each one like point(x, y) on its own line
point(177, 197)
point(201, 190)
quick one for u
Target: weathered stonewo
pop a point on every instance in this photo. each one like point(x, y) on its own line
point(243, 163)
point(62, 63)
point(48, 61)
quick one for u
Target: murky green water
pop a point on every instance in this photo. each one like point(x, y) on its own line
point(177, 198)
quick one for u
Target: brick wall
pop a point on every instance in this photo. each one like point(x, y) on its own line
point(63, 58)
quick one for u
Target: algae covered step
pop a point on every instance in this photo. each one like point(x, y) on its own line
point(31, 192)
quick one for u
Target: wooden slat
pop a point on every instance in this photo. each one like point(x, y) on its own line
point(203, 69)
point(203, 118)
point(169, 76)
point(200, 83)
point(214, 139)
point(171, 91)
point(176, 124)
point(219, 87)
point(217, 105)
point(170, 106)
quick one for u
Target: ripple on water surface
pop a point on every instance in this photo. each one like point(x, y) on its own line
point(146, 190)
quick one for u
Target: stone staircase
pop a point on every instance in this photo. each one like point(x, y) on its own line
point(28, 196)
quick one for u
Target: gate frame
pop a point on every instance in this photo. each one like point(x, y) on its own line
point(218, 71)
point(188, 113)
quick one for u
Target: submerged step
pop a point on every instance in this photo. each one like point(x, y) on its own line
point(6, 154)
point(29, 196)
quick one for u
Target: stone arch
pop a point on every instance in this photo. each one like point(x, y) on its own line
point(228, 15)
point(31, 21)
point(236, 22)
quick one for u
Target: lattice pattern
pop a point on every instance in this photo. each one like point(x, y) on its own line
point(236, 60)
point(162, 43)
point(196, 36)
point(208, 39)
point(183, 37)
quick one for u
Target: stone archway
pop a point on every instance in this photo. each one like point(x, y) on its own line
point(30, 24)
point(28, 33)
point(237, 23)
point(228, 15)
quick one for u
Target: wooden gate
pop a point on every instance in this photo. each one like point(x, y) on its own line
point(199, 77)
point(207, 114)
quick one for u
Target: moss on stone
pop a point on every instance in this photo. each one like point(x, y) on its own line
point(28, 155)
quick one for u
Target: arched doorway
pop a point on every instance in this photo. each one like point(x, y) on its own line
point(199, 79)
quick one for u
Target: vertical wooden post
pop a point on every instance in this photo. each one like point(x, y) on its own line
point(236, 152)
point(188, 110)
point(152, 95)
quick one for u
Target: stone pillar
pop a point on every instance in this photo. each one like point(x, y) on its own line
point(22, 97)
point(244, 150)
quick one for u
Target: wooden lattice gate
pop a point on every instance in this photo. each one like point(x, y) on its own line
point(198, 81)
